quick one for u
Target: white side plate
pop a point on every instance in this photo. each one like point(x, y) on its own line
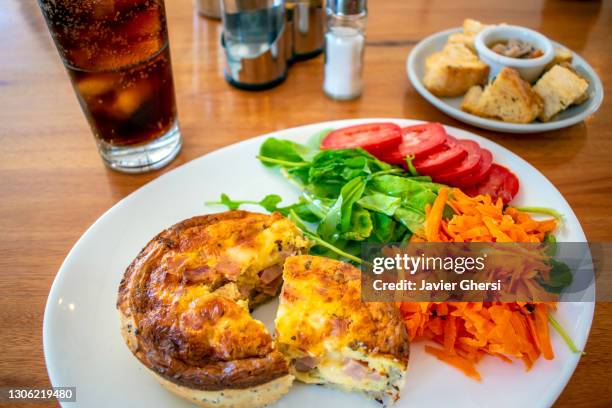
point(415, 66)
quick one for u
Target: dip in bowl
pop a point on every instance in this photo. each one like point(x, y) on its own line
point(529, 64)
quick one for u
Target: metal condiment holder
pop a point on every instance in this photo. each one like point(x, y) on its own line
point(306, 26)
point(301, 37)
point(262, 72)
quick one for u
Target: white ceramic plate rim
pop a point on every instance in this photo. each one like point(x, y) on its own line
point(494, 124)
point(54, 362)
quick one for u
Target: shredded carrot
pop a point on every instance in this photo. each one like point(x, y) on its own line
point(468, 331)
point(434, 216)
point(461, 363)
point(542, 332)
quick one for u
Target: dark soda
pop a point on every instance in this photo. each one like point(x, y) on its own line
point(117, 55)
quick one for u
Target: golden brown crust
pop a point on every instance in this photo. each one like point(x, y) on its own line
point(185, 300)
point(508, 98)
point(452, 71)
point(321, 301)
point(256, 396)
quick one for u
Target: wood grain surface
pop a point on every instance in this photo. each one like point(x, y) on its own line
point(53, 184)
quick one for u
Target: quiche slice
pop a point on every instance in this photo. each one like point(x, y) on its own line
point(331, 337)
point(184, 307)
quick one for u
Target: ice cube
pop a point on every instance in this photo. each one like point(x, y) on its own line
point(140, 51)
point(96, 85)
point(129, 100)
point(141, 24)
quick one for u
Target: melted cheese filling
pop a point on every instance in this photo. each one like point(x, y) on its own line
point(352, 370)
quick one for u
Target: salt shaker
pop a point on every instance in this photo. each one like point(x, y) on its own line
point(344, 47)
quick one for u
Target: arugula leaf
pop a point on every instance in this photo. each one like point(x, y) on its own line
point(423, 178)
point(545, 210)
point(551, 245)
point(269, 202)
point(560, 277)
point(380, 203)
point(410, 218)
point(338, 217)
point(396, 185)
point(348, 196)
point(542, 210)
point(331, 249)
point(385, 228)
point(225, 200)
point(336, 167)
point(318, 206)
point(419, 200)
point(568, 340)
point(361, 225)
point(304, 209)
point(285, 153)
point(411, 169)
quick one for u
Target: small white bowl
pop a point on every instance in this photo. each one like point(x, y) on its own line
point(529, 69)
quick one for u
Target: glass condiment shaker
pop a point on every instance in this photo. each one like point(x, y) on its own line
point(344, 47)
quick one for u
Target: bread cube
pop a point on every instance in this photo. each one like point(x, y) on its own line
point(508, 98)
point(454, 70)
point(560, 88)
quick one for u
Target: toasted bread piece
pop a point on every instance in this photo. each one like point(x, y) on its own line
point(509, 98)
point(454, 70)
point(560, 87)
point(586, 93)
point(562, 55)
point(331, 337)
point(471, 99)
point(473, 27)
point(463, 38)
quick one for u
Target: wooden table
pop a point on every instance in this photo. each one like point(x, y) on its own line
point(53, 184)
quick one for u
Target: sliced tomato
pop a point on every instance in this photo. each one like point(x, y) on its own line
point(479, 174)
point(422, 139)
point(392, 156)
point(373, 137)
point(447, 155)
point(500, 183)
point(466, 166)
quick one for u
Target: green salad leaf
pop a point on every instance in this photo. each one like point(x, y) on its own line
point(347, 196)
point(560, 277)
point(269, 202)
point(284, 151)
point(380, 203)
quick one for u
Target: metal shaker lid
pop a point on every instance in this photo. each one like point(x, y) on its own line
point(346, 7)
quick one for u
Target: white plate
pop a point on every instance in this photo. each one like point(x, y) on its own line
point(451, 106)
point(83, 346)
